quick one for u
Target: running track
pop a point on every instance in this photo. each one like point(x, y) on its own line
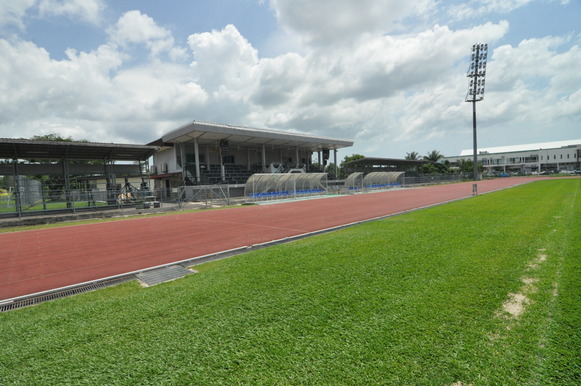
point(39, 260)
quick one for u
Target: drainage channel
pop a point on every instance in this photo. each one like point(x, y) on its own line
point(34, 299)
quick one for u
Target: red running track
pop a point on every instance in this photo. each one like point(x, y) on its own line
point(40, 260)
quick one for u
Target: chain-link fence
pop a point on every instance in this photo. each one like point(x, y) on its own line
point(27, 197)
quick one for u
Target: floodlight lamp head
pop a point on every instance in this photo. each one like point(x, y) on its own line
point(477, 72)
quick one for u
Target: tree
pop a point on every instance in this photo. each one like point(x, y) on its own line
point(348, 158)
point(353, 157)
point(434, 167)
point(316, 167)
point(433, 156)
point(330, 170)
point(55, 137)
point(466, 167)
point(413, 156)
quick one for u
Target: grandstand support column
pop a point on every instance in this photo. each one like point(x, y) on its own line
point(248, 158)
point(319, 156)
point(336, 167)
point(222, 170)
point(208, 158)
point(182, 151)
point(197, 157)
point(263, 157)
point(68, 197)
point(297, 160)
point(17, 187)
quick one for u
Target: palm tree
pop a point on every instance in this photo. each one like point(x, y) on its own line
point(433, 156)
point(413, 156)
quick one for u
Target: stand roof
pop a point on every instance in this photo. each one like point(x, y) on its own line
point(212, 133)
point(31, 149)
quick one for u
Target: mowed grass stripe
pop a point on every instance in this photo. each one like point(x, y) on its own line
point(414, 299)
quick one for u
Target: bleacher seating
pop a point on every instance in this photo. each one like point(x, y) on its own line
point(286, 193)
point(234, 174)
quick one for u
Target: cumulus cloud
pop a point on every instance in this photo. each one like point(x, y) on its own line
point(335, 21)
point(12, 12)
point(36, 85)
point(86, 10)
point(475, 8)
point(223, 61)
point(93, 90)
point(537, 81)
point(134, 28)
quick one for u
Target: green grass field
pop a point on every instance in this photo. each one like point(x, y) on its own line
point(480, 291)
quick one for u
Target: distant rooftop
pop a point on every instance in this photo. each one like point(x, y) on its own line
point(528, 147)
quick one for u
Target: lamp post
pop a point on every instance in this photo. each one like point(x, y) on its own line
point(476, 73)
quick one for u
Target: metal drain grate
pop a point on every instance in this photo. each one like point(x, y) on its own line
point(162, 275)
point(32, 300)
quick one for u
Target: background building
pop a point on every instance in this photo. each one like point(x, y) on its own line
point(530, 158)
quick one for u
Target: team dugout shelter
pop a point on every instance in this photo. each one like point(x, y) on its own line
point(49, 176)
point(379, 173)
point(202, 153)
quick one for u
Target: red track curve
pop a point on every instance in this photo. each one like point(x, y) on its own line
point(40, 260)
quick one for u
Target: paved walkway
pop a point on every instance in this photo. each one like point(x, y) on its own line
point(39, 260)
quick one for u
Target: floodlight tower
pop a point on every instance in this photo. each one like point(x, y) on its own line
point(476, 73)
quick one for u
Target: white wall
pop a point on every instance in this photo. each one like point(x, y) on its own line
point(168, 157)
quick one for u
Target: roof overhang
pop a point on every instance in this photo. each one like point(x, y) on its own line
point(37, 150)
point(212, 134)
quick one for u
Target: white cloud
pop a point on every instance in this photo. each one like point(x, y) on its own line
point(88, 89)
point(12, 12)
point(87, 10)
point(536, 81)
point(475, 8)
point(223, 60)
point(336, 21)
point(134, 27)
point(37, 86)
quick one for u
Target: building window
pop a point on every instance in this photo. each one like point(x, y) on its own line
point(561, 156)
point(541, 158)
point(568, 156)
point(554, 156)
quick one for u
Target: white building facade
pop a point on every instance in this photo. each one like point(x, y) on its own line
point(530, 158)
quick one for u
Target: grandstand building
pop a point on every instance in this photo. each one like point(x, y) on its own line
point(531, 158)
point(202, 153)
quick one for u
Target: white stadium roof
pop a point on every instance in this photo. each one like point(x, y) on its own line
point(210, 133)
point(527, 147)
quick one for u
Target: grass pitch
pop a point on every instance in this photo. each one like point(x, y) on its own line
point(481, 291)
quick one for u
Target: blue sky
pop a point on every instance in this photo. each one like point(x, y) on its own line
point(387, 74)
